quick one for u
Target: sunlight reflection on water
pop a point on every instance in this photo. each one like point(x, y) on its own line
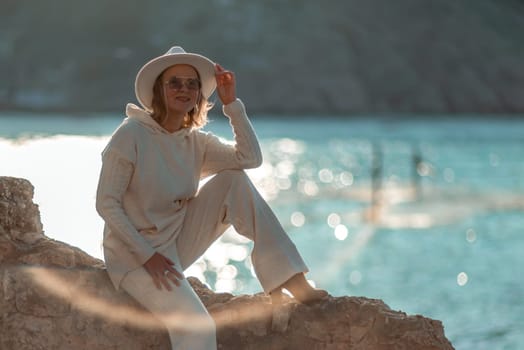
point(437, 235)
point(64, 171)
point(65, 168)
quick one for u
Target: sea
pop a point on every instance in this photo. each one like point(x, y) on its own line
point(423, 212)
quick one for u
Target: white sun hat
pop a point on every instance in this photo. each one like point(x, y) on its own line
point(145, 79)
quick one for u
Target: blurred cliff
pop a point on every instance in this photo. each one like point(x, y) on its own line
point(307, 57)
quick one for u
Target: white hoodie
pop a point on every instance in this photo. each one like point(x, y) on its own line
point(149, 173)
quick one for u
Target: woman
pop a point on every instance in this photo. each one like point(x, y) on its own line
point(157, 222)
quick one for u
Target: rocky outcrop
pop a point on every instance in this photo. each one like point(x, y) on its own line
point(54, 296)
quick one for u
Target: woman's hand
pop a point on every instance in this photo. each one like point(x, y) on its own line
point(162, 271)
point(225, 85)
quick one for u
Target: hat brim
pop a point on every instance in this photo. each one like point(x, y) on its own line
point(146, 77)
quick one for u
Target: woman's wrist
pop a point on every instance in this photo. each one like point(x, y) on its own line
point(229, 100)
point(233, 108)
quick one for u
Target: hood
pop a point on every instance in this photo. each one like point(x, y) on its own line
point(134, 112)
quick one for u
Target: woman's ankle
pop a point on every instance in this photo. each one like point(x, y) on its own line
point(291, 283)
point(299, 287)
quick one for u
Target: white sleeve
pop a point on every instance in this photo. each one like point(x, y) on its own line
point(114, 179)
point(244, 153)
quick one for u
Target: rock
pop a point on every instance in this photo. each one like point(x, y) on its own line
point(55, 296)
point(19, 216)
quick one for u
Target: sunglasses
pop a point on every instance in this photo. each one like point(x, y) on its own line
point(176, 83)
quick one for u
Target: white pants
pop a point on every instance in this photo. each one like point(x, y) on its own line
point(227, 199)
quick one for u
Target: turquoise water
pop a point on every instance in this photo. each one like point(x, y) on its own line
point(444, 237)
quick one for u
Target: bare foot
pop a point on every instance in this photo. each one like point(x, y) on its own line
point(301, 290)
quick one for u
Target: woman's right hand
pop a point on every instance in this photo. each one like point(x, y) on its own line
point(225, 84)
point(162, 271)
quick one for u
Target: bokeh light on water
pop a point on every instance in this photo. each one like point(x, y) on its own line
point(298, 219)
point(341, 232)
point(471, 235)
point(462, 279)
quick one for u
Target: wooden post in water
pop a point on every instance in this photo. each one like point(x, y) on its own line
point(415, 174)
point(376, 182)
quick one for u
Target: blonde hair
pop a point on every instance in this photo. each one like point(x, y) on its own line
point(197, 116)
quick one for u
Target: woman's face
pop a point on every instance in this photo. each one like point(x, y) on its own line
point(181, 87)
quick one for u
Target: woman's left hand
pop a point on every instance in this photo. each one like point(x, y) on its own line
point(225, 85)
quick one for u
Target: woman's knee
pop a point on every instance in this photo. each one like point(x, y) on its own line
point(234, 177)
